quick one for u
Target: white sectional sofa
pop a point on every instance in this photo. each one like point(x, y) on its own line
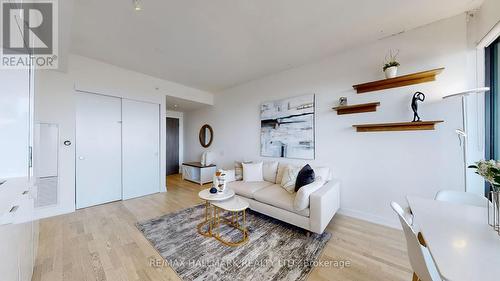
point(269, 198)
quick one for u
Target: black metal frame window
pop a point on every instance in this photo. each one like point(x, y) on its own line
point(492, 103)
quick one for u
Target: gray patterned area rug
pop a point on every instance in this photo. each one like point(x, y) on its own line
point(275, 250)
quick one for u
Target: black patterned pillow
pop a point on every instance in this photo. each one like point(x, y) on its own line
point(305, 177)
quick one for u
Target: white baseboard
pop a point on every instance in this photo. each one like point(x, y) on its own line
point(47, 212)
point(369, 218)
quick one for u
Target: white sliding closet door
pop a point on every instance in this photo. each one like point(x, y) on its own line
point(141, 145)
point(98, 150)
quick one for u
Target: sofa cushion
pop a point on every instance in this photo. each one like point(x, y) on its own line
point(247, 189)
point(305, 177)
point(238, 170)
point(269, 170)
point(252, 172)
point(323, 172)
point(290, 178)
point(279, 173)
point(320, 171)
point(301, 200)
point(276, 196)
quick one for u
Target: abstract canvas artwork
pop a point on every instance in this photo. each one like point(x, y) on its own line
point(287, 128)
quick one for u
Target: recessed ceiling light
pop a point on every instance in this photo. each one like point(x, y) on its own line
point(137, 5)
point(175, 106)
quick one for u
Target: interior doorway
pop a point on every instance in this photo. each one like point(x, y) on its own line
point(172, 145)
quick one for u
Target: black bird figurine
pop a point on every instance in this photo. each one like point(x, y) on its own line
point(418, 96)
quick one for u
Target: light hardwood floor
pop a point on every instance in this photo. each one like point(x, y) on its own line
point(102, 243)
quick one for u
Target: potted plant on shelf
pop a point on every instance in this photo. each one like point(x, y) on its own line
point(490, 171)
point(391, 64)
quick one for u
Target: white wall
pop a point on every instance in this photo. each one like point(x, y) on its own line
point(375, 168)
point(485, 19)
point(55, 103)
point(180, 116)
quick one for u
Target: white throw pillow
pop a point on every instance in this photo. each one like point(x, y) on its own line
point(252, 172)
point(323, 172)
point(301, 201)
point(269, 171)
point(238, 170)
point(281, 170)
point(290, 177)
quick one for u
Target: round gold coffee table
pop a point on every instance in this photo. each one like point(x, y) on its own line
point(215, 206)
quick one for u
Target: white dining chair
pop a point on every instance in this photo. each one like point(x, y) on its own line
point(409, 216)
point(461, 197)
point(421, 261)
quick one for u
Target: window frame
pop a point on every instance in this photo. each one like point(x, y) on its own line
point(492, 67)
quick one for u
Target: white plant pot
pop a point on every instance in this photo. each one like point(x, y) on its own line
point(391, 72)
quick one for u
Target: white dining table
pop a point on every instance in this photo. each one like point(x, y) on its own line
point(463, 245)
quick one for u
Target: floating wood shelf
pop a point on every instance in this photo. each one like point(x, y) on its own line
point(356, 108)
point(402, 126)
point(400, 81)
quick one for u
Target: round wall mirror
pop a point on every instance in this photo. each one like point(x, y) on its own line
point(206, 135)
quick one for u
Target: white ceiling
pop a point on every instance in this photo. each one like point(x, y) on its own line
point(216, 44)
point(182, 105)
